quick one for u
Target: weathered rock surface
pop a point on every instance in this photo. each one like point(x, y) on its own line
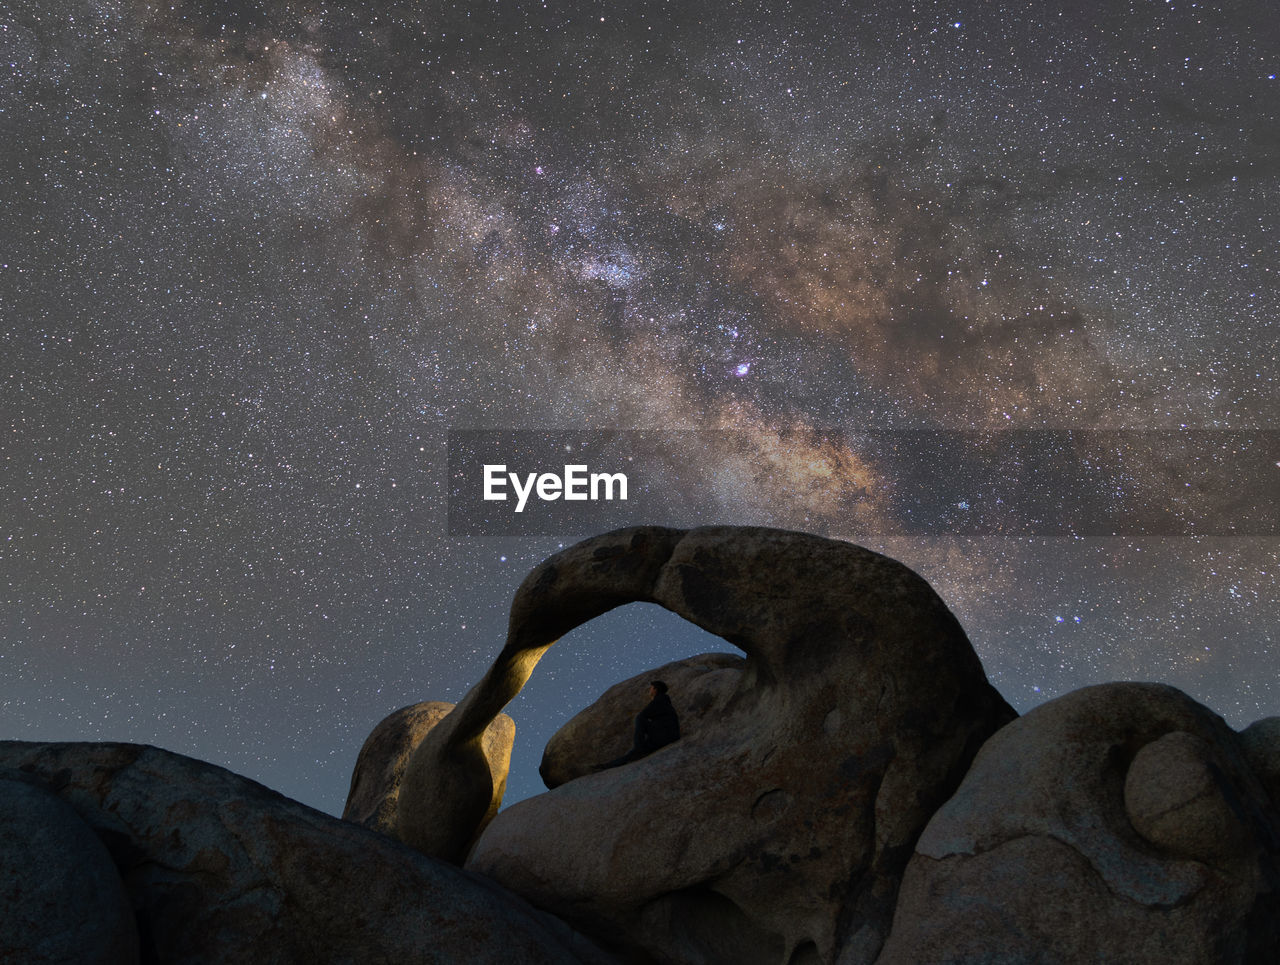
point(1261, 741)
point(825, 790)
point(221, 869)
point(776, 831)
point(374, 797)
point(698, 686)
point(61, 898)
point(1117, 823)
point(1175, 797)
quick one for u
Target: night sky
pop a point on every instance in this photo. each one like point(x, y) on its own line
point(258, 259)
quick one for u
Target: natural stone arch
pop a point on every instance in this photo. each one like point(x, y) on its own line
point(447, 778)
point(448, 794)
point(856, 674)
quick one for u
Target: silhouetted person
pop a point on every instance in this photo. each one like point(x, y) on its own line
point(656, 726)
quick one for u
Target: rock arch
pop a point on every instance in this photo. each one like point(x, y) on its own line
point(831, 632)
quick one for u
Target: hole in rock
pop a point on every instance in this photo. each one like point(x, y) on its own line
point(585, 663)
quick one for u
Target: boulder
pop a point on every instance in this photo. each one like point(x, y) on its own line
point(698, 686)
point(375, 783)
point(776, 830)
point(1176, 799)
point(63, 899)
point(1261, 741)
point(1121, 822)
point(221, 869)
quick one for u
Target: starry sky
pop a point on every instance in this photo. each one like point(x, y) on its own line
point(990, 287)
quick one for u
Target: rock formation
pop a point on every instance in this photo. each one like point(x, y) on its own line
point(220, 869)
point(374, 797)
point(1117, 823)
point(61, 898)
point(776, 831)
point(824, 805)
point(699, 686)
point(1261, 741)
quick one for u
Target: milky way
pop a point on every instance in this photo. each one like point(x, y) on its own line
point(258, 259)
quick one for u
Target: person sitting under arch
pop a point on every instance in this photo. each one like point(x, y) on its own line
point(656, 726)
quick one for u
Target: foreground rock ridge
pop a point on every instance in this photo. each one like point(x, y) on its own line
point(217, 868)
point(849, 790)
